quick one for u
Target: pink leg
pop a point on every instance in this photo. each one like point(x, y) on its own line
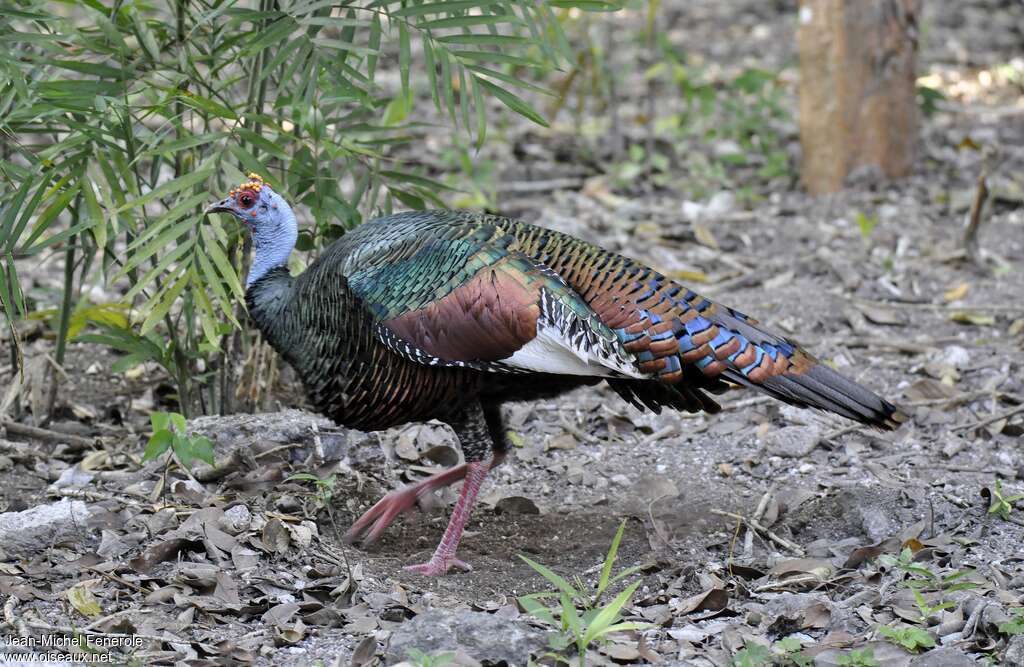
point(444, 556)
point(380, 516)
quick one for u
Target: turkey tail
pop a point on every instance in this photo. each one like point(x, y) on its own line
point(688, 342)
point(823, 388)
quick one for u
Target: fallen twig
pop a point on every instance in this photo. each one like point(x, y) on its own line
point(662, 432)
point(985, 422)
point(970, 240)
point(762, 507)
point(832, 435)
point(234, 461)
point(965, 397)
point(11, 620)
point(95, 496)
point(20, 450)
point(74, 442)
point(124, 582)
point(981, 307)
point(1008, 473)
point(571, 428)
point(750, 523)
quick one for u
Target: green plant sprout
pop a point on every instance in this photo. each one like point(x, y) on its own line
point(1015, 626)
point(421, 659)
point(909, 637)
point(1002, 506)
point(858, 657)
point(927, 610)
point(595, 622)
point(866, 224)
point(324, 485)
point(169, 433)
point(923, 578)
point(783, 653)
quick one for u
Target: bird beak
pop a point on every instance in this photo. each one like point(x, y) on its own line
point(219, 207)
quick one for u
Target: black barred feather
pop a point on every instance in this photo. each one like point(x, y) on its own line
point(825, 389)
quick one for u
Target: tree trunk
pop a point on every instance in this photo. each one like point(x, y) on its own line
point(858, 106)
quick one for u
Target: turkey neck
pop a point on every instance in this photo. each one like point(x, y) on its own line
point(267, 299)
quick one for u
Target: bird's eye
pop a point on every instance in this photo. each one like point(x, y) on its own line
point(246, 200)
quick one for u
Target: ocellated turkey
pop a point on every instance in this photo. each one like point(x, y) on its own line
point(447, 315)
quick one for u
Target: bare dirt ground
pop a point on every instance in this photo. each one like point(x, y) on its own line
point(238, 565)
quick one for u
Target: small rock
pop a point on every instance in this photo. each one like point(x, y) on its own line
point(483, 636)
point(288, 504)
point(73, 478)
point(516, 505)
point(287, 427)
point(793, 441)
point(955, 356)
point(235, 519)
point(31, 531)
point(721, 202)
point(877, 523)
point(653, 487)
point(947, 657)
point(1014, 656)
point(188, 490)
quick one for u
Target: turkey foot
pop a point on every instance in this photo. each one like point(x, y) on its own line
point(444, 556)
point(435, 567)
point(380, 516)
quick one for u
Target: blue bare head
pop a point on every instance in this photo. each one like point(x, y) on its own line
point(269, 219)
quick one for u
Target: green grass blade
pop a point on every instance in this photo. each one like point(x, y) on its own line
point(609, 561)
point(606, 617)
point(557, 581)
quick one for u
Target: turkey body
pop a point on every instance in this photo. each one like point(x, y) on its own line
point(447, 315)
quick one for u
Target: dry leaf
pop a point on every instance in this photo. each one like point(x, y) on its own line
point(704, 236)
point(882, 315)
point(84, 601)
point(292, 635)
point(364, 653)
point(647, 229)
point(83, 412)
point(714, 599)
point(820, 568)
point(561, 441)
point(275, 536)
point(913, 544)
point(688, 276)
point(620, 652)
point(135, 372)
point(863, 554)
point(958, 292)
point(968, 317)
point(97, 460)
